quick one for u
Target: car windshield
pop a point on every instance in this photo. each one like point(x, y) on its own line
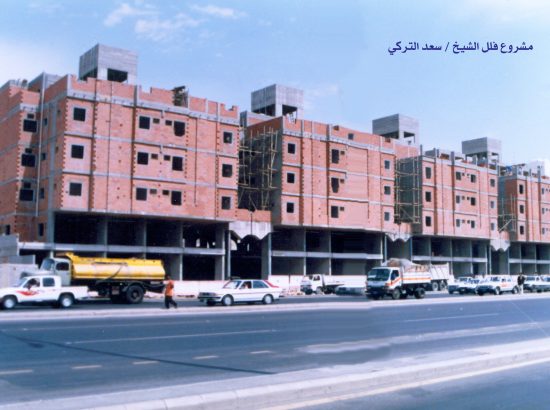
point(20, 282)
point(378, 274)
point(47, 264)
point(234, 284)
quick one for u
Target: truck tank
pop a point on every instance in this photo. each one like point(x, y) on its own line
point(124, 269)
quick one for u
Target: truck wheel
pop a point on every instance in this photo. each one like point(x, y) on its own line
point(267, 300)
point(134, 294)
point(227, 300)
point(65, 300)
point(319, 291)
point(497, 291)
point(9, 302)
point(435, 286)
point(396, 294)
point(419, 293)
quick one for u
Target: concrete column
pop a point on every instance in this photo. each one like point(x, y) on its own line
point(219, 273)
point(384, 247)
point(451, 254)
point(330, 253)
point(103, 233)
point(227, 254)
point(175, 267)
point(219, 267)
point(266, 256)
point(179, 235)
point(489, 260)
point(142, 234)
point(304, 248)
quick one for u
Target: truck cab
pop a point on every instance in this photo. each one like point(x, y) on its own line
point(57, 266)
point(381, 281)
point(320, 284)
point(312, 284)
point(397, 282)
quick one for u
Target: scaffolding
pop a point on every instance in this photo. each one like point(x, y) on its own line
point(257, 168)
point(408, 190)
point(507, 214)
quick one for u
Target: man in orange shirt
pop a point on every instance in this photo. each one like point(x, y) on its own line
point(169, 293)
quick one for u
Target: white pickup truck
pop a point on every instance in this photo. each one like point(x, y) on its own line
point(326, 284)
point(45, 289)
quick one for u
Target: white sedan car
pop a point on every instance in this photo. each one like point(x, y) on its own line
point(242, 291)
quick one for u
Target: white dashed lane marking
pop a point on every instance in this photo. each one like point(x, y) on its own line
point(262, 352)
point(452, 317)
point(10, 372)
point(145, 362)
point(205, 357)
point(146, 338)
point(89, 366)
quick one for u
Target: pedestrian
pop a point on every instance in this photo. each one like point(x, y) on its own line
point(169, 293)
point(521, 281)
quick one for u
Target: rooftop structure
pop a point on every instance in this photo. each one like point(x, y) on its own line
point(484, 149)
point(397, 126)
point(109, 63)
point(278, 100)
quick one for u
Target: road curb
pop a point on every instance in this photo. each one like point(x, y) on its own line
point(204, 310)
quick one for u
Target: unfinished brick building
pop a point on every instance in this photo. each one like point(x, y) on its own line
point(95, 165)
point(331, 196)
point(525, 214)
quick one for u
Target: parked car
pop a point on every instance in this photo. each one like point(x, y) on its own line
point(543, 285)
point(531, 281)
point(453, 286)
point(242, 290)
point(468, 286)
point(497, 285)
point(350, 290)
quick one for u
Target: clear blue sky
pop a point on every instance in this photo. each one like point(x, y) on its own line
point(337, 51)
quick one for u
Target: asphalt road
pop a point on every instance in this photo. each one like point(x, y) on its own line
point(520, 388)
point(71, 357)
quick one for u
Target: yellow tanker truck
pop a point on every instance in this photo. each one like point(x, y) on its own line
point(123, 280)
